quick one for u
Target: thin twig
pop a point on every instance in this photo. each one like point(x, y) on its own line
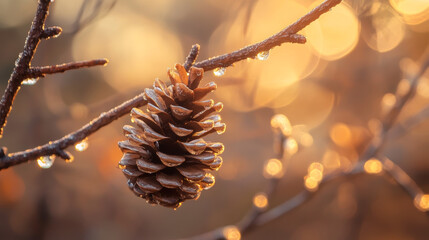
point(35, 72)
point(391, 169)
point(52, 148)
point(23, 68)
point(402, 128)
point(378, 143)
point(23, 62)
point(375, 147)
point(193, 54)
point(288, 34)
point(51, 32)
point(248, 222)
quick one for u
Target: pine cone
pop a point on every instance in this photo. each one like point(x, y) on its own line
point(165, 158)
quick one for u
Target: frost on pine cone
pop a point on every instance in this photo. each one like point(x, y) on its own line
point(165, 158)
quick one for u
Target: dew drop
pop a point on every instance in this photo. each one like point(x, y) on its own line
point(263, 55)
point(30, 81)
point(46, 161)
point(81, 146)
point(218, 72)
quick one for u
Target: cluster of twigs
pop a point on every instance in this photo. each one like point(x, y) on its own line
point(37, 32)
point(256, 216)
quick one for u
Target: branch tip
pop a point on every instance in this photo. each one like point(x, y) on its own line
point(51, 32)
point(193, 54)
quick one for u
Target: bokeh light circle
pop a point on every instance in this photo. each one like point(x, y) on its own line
point(336, 34)
point(139, 50)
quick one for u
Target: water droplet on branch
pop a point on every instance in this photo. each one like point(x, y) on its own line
point(81, 146)
point(263, 55)
point(218, 72)
point(30, 81)
point(46, 161)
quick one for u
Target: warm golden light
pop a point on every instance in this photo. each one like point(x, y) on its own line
point(10, 193)
point(79, 111)
point(374, 126)
point(341, 134)
point(291, 146)
point(387, 102)
point(280, 121)
point(387, 32)
point(423, 87)
point(373, 166)
point(331, 159)
point(310, 183)
point(306, 139)
point(421, 201)
point(311, 98)
point(403, 87)
point(260, 200)
point(337, 38)
point(413, 11)
point(273, 168)
point(82, 146)
point(315, 165)
point(268, 83)
point(126, 41)
point(231, 233)
point(316, 174)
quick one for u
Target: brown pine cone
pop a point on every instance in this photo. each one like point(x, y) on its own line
point(165, 158)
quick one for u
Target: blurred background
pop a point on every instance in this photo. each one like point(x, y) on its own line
point(336, 88)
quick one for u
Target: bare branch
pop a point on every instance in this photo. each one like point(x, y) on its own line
point(23, 61)
point(391, 169)
point(251, 51)
point(22, 68)
point(288, 34)
point(257, 217)
point(51, 32)
point(74, 137)
point(378, 143)
point(34, 72)
point(193, 54)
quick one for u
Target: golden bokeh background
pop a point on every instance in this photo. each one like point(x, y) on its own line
point(334, 90)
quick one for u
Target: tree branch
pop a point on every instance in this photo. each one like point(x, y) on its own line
point(378, 143)
point(35, 72)
point(288, 34)
point(22, 68)
point(257, 217)
point(23, 61)
point(74, 137)
point(193, 54)
point(390, 168)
